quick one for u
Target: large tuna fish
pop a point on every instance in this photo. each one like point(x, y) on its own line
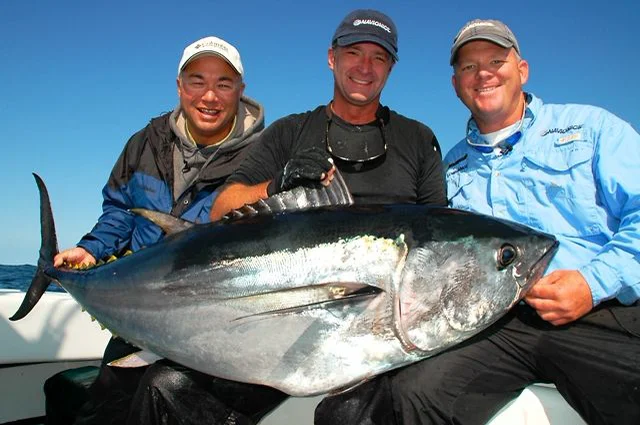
point(308, 302)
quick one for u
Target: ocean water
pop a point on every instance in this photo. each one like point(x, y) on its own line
point(19, 277)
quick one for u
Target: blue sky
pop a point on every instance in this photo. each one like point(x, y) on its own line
point(78, 78)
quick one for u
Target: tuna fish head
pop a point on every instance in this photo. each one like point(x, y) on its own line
point(465, 273)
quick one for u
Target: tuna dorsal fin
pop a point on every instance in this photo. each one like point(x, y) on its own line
point(168, 223)
point(299, 199)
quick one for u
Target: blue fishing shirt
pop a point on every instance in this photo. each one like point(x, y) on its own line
point(574, 173)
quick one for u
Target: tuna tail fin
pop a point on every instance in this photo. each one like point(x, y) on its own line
point(48, 250)
point(299, 199)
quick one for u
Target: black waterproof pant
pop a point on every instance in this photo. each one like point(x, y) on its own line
point(167, 393)
point(111, 393)
point(171, 394)
point(594, 362)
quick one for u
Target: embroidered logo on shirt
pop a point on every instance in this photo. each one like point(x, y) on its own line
point(561, 130)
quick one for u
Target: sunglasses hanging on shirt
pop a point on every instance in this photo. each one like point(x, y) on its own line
point(505, 145)
point(357, 143)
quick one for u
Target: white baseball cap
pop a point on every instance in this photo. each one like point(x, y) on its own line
point(212, 46)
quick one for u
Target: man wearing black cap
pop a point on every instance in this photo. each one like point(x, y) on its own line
point(383, 156)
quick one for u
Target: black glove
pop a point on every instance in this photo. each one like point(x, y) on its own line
point(307, 166)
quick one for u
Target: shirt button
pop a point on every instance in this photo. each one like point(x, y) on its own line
point(185, 202)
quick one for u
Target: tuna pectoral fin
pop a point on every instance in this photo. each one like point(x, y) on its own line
point(137, 359)
point(295, 300)
point(168, 223)
point(48, 250)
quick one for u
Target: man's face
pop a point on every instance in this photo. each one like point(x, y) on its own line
point(489, 79)
point(209, 90)
point(360, 71)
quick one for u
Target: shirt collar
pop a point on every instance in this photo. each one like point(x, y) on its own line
point(533, 105)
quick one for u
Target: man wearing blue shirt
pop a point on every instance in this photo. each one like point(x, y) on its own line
point(570, 170)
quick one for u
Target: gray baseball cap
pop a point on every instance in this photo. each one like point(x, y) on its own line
point(367, 25)
point(484, 29)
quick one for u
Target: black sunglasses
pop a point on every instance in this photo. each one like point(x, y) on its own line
point(355, 146)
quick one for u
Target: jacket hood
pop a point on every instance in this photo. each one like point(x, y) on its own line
point(250, 121)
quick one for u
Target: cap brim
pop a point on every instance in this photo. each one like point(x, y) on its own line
point(500, 41)
point(348, 40)
point(209, 53)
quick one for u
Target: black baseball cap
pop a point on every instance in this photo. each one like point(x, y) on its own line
point(364, 25)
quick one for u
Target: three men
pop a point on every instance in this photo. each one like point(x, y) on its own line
point(563, 169)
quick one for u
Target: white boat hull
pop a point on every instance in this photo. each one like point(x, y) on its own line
point(57, 336)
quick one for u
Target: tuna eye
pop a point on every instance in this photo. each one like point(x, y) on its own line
point(506, 255)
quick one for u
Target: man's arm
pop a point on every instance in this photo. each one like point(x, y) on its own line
point(561, 297)
point(566, 295)
point(431, 184)
point(76, 256)
point(307, 166)
point(236, 195)
point(113, 230)
point(111, 233)
point(249, 182)
point(615, 272)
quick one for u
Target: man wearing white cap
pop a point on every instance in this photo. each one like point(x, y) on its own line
point(173, 165)
point(184, 154)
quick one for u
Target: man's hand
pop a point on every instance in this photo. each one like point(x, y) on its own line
point(74, 257)
point(561, 297)
point(312, 165)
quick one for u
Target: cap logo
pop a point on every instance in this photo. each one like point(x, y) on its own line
point(476, 24)
point(358, 22)
point(213, 44)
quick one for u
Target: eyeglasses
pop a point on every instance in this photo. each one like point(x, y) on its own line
point(356, 146)
point(198, 87)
